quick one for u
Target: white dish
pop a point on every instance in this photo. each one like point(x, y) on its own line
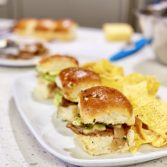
point(58, 140)
point(89, 44)
point(19, 63)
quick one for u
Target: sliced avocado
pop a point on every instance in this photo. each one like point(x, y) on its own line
point(92, 128)
point(49, 77)
point(77, 121)
point(88, 130)
point(99, 127)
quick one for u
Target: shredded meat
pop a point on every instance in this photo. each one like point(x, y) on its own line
point(79, 130)
point(66, 103)
point(119, 134)
point(52, 87)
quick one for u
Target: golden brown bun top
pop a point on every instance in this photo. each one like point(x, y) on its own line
point(74, 75)
point(45, 24)
point(57, 58)
point(24, 23)
point(56, 63)
point(74, 79)
point(64, 25)
point(100, 102)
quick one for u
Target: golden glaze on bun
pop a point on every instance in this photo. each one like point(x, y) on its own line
point(47, 29)
point(64, 25)
point(105, 105)
point(74, 79)
point(45, 25)
point(25, 26)
point(54, 64)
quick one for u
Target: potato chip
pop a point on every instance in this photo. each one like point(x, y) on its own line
point(137, 93)
point(111, 75)
point(143, 135)
point(152, 83)
point(154, 115)
point(105, 68)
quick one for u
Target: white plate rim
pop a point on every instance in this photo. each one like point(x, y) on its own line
point(84, 162)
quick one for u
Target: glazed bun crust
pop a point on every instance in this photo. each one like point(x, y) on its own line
point(56, 63)
point(45, 25)
point(75, 75)
point(47, 29)
point(25, 24)
point(105, 105)
point(64, 25)
point(75, 79)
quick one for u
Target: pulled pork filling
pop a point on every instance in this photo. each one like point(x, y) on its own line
point(60, 100)
point(52, 87)
point(98, 129)
point(66, 103)
point(85, 131)
point(119, 132)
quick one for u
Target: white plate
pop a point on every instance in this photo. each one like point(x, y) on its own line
point(21, 63)
point(89, 44)
point(58, 140)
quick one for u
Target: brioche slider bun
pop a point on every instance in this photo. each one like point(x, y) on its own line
point(48, 68)
point(105, 105)
point(54, 64)
point(25, 26)
point(103, 125)
point(47, 29)
point(75, 79)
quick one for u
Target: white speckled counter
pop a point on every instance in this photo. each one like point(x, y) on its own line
point(18, 148)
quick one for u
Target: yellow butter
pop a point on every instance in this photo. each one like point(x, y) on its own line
point(117, 31)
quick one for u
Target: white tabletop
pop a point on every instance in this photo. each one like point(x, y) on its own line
point(18, 148)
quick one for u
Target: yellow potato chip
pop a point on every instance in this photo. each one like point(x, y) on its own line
point(104, 67)
point(143, 135)
point(152, 83)
point(111, 75)
point(114, 82)
point(136, 93)
point(154, 115)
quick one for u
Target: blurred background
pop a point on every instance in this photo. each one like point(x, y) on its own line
point(87, 13)
point(146, 19)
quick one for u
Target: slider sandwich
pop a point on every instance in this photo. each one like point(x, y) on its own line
point(104, 122)
point(25, 26)
point(46, 29)
point(49, 29)
point(48, 68)
point(71, 81)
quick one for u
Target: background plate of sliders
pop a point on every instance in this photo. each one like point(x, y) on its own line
point(48, 36)
point(26, 54)
point(92, 114)
point(28, 40)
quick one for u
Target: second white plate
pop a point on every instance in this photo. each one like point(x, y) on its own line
point(58, 140)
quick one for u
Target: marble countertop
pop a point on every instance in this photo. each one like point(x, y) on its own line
point(18, 148)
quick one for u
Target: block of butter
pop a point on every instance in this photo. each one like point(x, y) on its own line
point(117, 31)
